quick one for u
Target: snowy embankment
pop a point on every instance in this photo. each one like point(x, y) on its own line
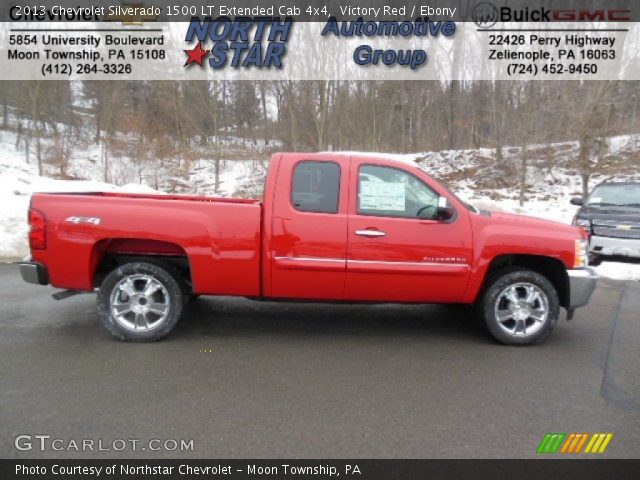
point(15, 193)
point(18, 180)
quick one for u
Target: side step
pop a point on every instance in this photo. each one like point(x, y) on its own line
point(66, 294)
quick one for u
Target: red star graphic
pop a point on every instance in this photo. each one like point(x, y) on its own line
point(195, 55)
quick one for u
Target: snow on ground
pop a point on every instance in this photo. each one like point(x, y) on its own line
point(15, 194)
point(18, 180)
point(619, 270)
point(466, 172)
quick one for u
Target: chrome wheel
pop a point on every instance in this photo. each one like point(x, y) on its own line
point(139, 303)
point(521, 309)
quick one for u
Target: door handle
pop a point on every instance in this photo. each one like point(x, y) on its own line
point(370, 233)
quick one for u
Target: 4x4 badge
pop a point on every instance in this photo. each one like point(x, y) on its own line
point(91, 220)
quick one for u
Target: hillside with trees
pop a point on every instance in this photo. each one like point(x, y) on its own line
point(166, 126)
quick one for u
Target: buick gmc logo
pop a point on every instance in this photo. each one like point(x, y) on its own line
point(486, 15)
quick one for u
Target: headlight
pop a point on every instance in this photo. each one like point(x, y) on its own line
point(584, 224)
point(581, 259)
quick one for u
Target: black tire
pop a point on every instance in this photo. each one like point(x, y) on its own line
point(595, 259)
point(174, 303)
point(519, 277)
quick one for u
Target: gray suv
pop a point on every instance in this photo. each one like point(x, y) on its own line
point(611, 217)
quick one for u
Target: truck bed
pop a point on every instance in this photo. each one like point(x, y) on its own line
point(221, 237)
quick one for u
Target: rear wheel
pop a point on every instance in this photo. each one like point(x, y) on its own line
point(140, 302)
point(519, 306)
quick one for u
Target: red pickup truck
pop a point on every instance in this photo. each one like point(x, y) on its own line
point(331, 228)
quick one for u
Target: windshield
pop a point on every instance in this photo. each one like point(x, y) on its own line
point(466, 205)
point(620, 195)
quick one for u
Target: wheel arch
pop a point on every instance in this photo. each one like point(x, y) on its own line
point(551, 268)
point(109, 253)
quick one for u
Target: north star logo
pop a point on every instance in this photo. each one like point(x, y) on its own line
point(244, 42)
point(195, 55)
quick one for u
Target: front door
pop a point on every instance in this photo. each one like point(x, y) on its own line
point(398, 249)
point(309, 229)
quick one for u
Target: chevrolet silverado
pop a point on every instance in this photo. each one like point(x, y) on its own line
point(331, 228)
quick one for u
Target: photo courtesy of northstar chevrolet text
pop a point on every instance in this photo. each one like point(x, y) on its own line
point(311, 239)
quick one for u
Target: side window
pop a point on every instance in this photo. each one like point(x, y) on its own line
point(391, 192)
point(315, 187)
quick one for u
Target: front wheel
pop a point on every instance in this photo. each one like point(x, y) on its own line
point(140, 302)
point(519, 306)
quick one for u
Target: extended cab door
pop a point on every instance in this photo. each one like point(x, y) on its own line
point(309, 228)
point(398, 249)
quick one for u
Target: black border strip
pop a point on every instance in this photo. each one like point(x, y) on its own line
point(584, 469)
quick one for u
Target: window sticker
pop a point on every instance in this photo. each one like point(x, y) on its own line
point(382, 196)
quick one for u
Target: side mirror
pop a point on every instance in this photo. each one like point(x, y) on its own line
point(577, 201)
point(444, 211)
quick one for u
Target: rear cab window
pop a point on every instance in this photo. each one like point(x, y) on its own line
point(315, 186)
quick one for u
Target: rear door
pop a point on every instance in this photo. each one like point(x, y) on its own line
point(309, 228)
point(397, 248)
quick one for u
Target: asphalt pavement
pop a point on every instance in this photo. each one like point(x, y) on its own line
point(247, 379)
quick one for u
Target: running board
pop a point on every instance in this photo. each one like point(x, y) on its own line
point(65, 294)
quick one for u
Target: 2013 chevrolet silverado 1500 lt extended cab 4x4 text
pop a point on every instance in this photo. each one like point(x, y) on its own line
point(332, 227)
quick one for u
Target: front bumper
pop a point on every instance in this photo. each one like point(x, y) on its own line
point(33, 272)
point(611, 246)
point(582, 283)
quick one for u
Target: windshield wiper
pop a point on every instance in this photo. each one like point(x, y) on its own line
point(630, 205)
point(604, 204)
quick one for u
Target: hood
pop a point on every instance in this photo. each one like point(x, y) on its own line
point(535, 222)
point(610, 213)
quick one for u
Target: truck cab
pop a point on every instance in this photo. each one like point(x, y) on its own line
point(365, 229)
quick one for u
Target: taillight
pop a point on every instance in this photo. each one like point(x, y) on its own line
point(37, 230)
